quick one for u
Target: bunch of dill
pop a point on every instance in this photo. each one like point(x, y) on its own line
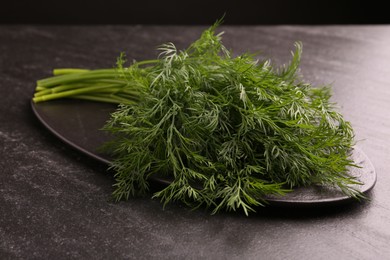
point(226, 131)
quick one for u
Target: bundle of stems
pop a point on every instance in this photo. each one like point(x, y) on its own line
point(102, 85)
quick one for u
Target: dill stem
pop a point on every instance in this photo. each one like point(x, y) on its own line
point(103, 85)
point(77, 77)
point(58, 89)
point(70, 93)
point(104, 98)
point(146, 62)
point(64, 71)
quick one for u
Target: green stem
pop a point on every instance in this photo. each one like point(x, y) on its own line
point(104, 85)
point(64, 71)
point(59, 88)
point(77, 77)
point(105, 99)
point(69, 93)
point(146, 62)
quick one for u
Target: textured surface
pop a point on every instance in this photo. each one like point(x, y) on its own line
point(54, 201)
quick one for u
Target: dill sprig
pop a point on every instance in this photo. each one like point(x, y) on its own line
point(226, 131)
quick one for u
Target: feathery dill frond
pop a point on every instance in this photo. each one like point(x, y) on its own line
point(228, 131)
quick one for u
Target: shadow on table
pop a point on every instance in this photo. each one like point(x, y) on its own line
point(290, 211)
point(308, 212)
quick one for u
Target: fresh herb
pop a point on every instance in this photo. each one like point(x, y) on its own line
point(227, 131)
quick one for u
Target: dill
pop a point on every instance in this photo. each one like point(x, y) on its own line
point(227, 131)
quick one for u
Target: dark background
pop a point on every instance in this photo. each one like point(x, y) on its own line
point(54, 202)
point(192, 12)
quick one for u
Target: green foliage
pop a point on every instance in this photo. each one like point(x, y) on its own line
point(226, 130)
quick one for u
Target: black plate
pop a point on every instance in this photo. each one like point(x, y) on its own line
point(78, 124)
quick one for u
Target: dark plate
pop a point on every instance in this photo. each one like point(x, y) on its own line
point(78, 124)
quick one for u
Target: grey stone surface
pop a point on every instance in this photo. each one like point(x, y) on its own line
point(55, 202)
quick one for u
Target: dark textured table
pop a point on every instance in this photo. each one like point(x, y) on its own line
point(54, 201)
